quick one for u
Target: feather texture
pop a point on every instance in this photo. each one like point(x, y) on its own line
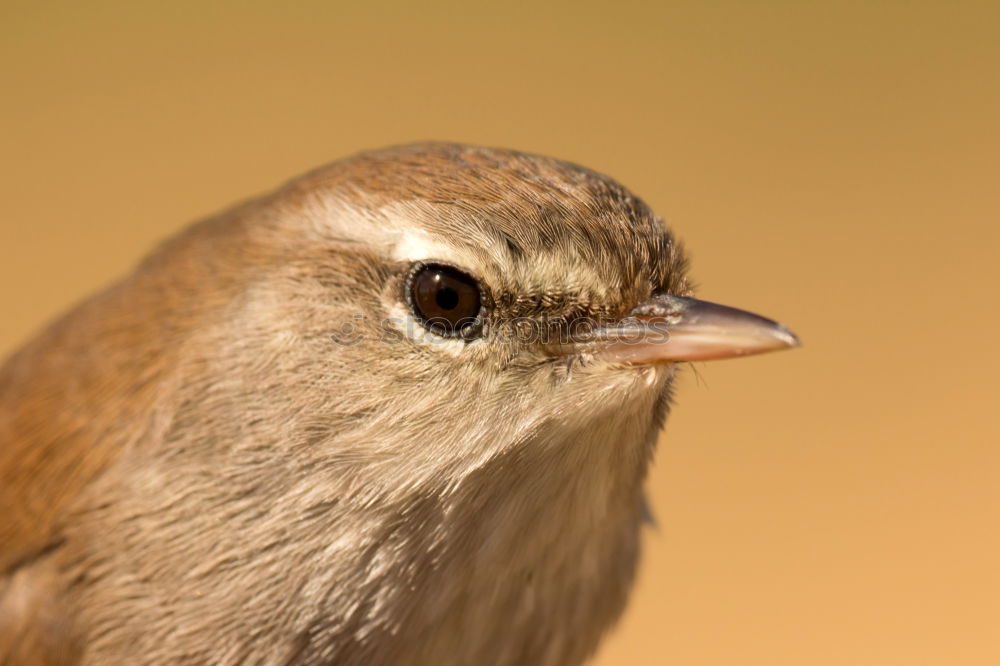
point(248, 452)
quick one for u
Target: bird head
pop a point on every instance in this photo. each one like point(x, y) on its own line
point(437, 305)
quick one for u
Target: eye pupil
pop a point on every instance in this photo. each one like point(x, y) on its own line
point(444, 299)
point(447, 298)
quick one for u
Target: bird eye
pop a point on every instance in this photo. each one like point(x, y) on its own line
point(444, 299)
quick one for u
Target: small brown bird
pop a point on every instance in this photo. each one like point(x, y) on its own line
point(397, 412)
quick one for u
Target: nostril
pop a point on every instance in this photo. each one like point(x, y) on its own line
point(660, 305)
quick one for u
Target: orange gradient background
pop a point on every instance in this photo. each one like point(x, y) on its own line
point(833, 165)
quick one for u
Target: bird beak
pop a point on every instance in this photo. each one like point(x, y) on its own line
point(670, 328)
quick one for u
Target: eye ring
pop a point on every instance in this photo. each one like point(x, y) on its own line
point(445, 300)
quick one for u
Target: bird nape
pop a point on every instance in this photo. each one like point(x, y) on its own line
point(398, 411)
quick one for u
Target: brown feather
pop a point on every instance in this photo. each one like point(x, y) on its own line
point(193, 470)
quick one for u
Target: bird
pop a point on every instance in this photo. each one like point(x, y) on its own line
point(399, 410)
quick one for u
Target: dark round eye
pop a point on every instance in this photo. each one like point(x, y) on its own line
point(444, 299)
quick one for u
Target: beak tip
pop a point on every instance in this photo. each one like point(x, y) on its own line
point(789, 339)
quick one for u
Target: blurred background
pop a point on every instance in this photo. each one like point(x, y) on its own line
point(833, 165)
